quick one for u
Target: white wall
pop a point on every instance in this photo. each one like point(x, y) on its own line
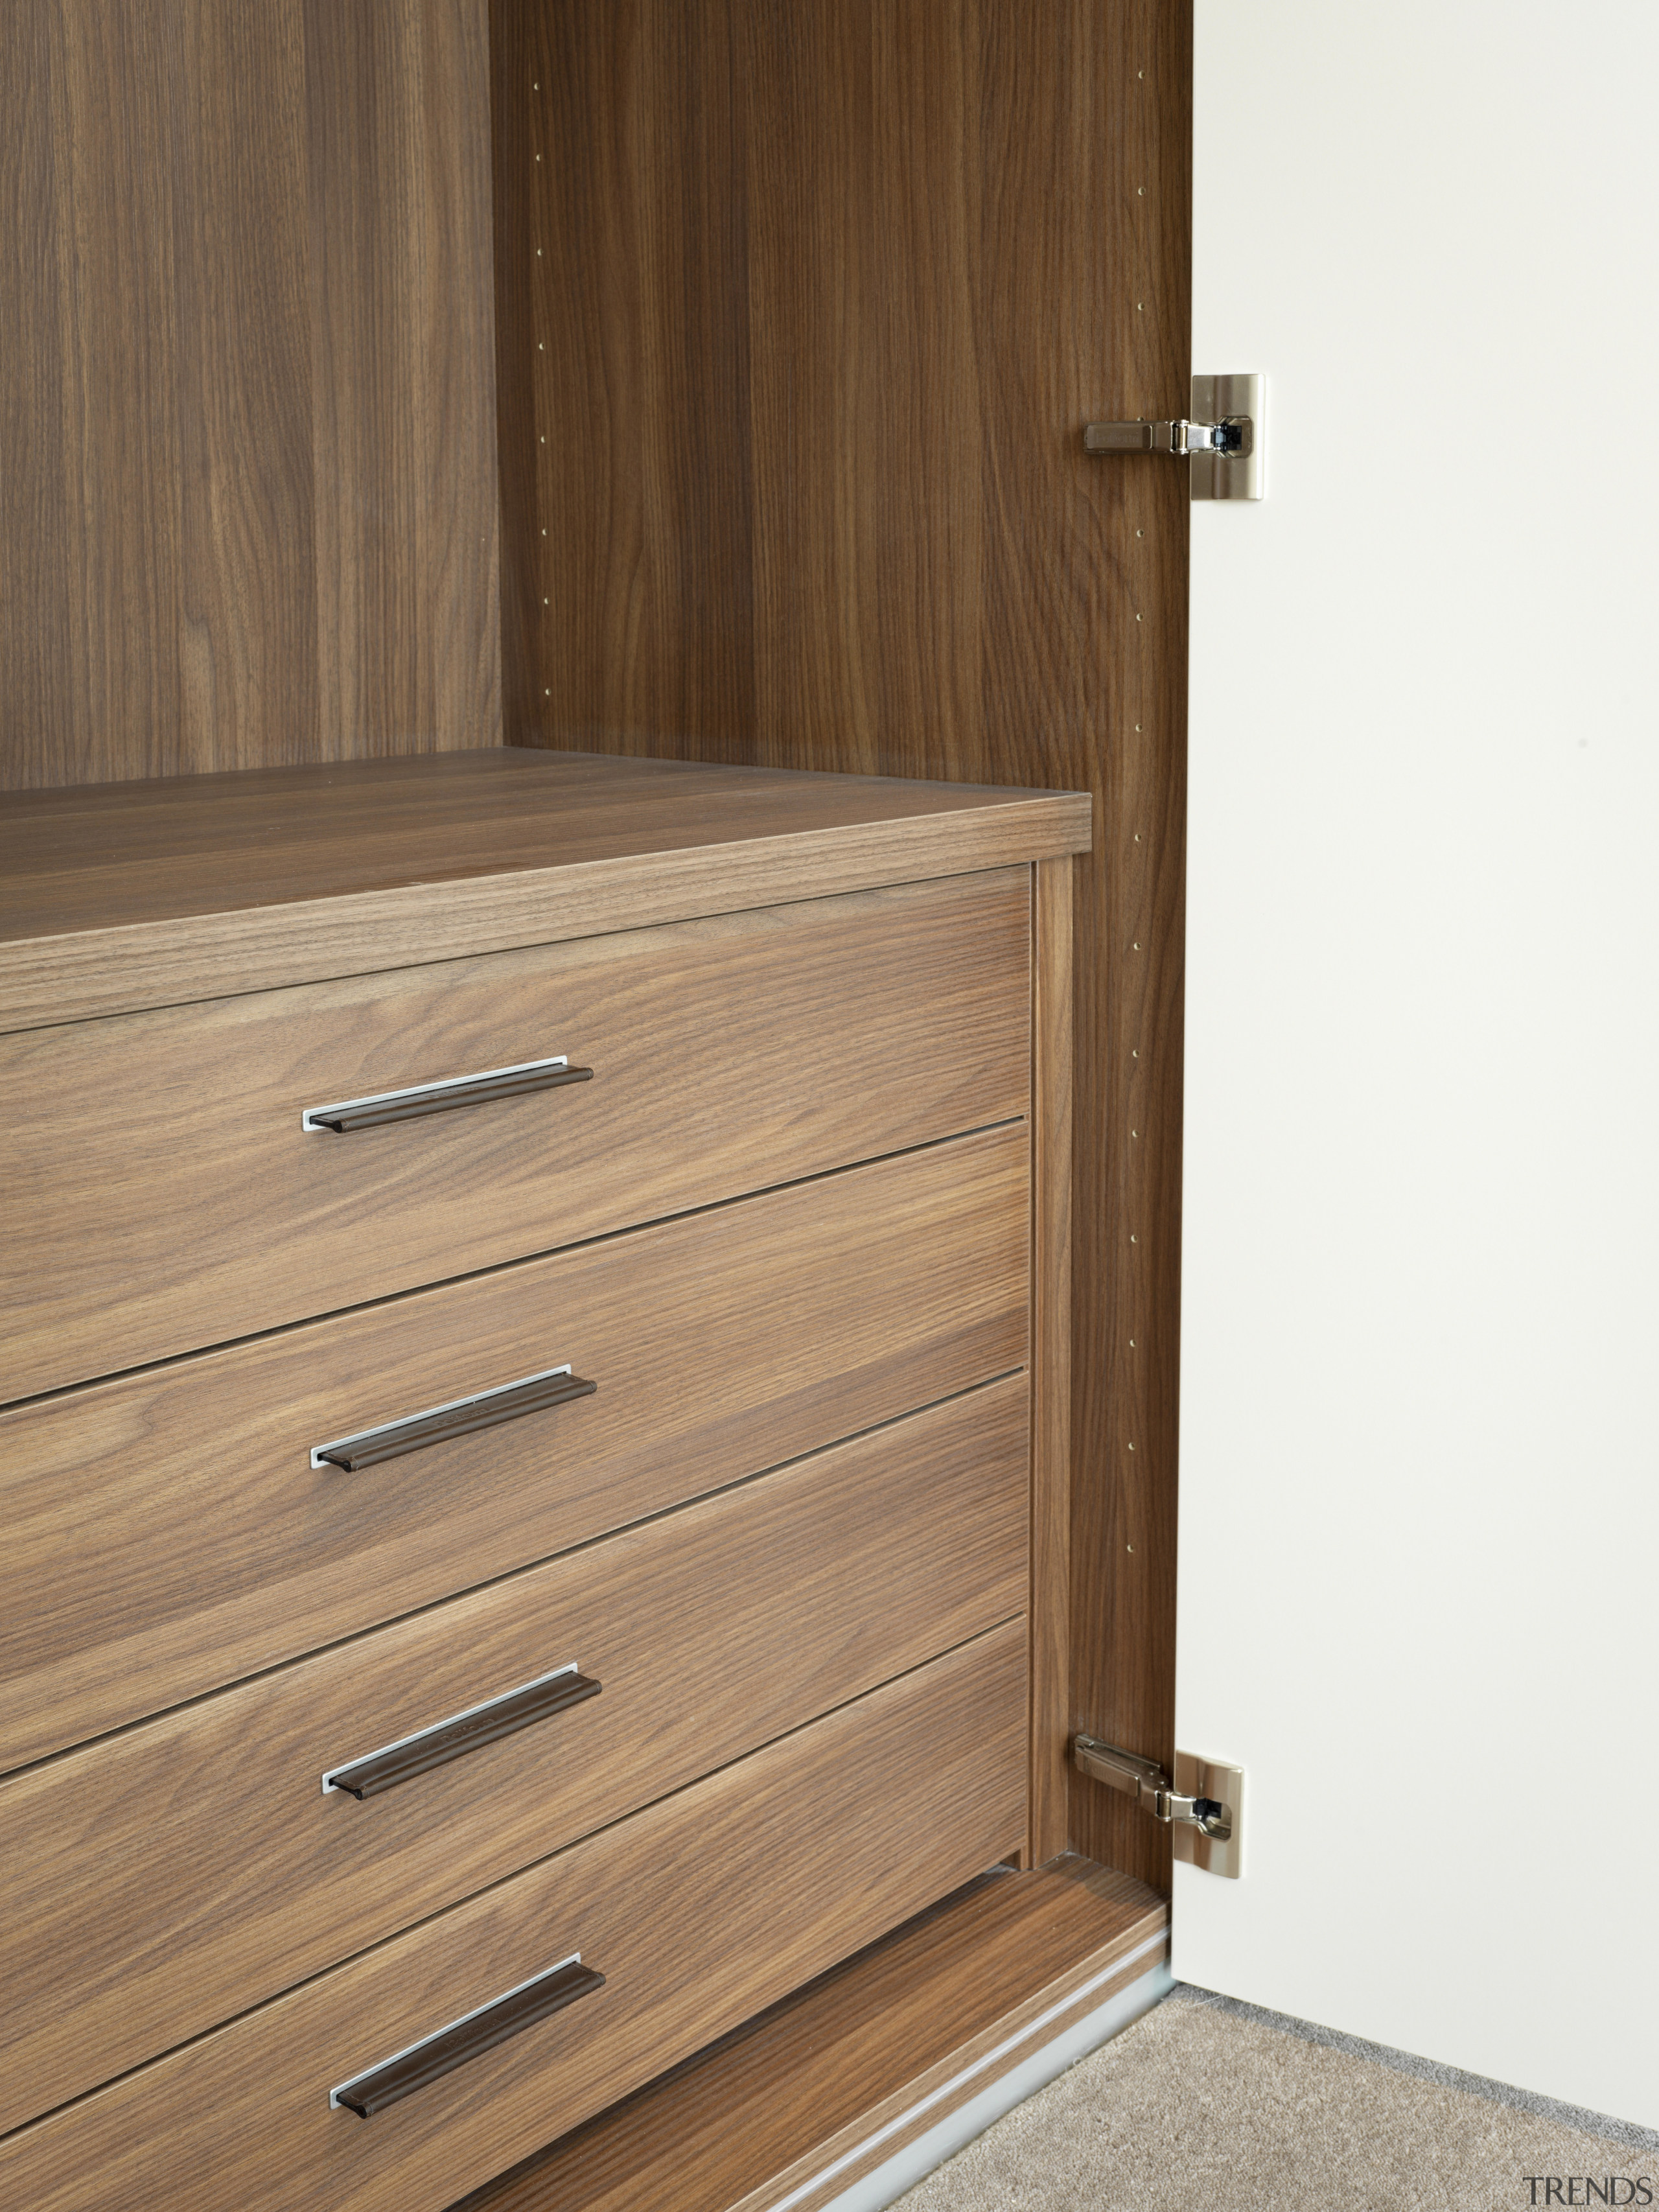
point(1420, 1543)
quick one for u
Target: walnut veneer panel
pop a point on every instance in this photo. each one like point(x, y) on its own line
point(743, 2124)
point(169, 1879)
point(403, 412)
point(248, 508)
point(1053, 1038)
point(144, 895)
point(166, 1533)
point(700, 1911)
point(104, 857)
point(726, 1056)
point(800, 313)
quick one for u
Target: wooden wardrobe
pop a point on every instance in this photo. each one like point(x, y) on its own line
point(701, 380)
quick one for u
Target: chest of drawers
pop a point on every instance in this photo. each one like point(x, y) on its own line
point(532, 1442)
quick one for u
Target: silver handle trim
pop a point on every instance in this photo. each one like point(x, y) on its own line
point(437, 1727)
point(408, 2050)
point(312, 1120)
point(431, 1413)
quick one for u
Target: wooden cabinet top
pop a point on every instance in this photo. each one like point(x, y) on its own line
point(122, 895)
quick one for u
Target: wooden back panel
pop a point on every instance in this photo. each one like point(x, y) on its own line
point(800, 313)
point(247, 501)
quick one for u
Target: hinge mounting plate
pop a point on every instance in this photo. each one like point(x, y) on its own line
point(1202, 1807)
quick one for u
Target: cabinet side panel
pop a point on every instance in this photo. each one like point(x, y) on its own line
point(1131, 923)
point(623, 268)
point(959, 231)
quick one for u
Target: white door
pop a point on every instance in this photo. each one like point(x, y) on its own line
point(1419, 1519)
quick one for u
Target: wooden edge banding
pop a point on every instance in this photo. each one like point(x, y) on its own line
point(1052, 1039)
point(978, 2065)
point(49, 979)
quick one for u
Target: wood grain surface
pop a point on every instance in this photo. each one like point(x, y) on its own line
point(801, 314)
point(726, 1056)
point(700, 1911)
point(247, 505)
point(170, 1878)
point(1052, 1057)
point(166, 1533)
point(814, 2183)
point(742, 2126)
point(133, 895)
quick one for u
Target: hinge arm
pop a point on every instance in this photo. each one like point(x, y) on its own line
point(1144, 1781)
point(1235, 436)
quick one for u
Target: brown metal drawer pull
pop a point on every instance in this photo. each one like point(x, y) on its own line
point(463, 1732)
point(462, 1417)
point(469, 2037)
point(374, 1112)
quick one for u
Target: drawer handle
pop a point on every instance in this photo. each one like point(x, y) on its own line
point(384, 1106)
point(462, 1732)
point(459, 1416)
point(469, 2037)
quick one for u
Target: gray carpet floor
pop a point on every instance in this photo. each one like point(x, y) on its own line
point(1202, 2103)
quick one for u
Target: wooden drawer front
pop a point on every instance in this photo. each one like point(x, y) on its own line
point(698, 1912)
point(164, 1196)
point(165, 1881)
point(168, 1534)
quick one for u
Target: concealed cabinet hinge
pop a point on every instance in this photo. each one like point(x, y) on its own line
point(1223, 441)
point(1202, 1805)
point(1235, 436)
